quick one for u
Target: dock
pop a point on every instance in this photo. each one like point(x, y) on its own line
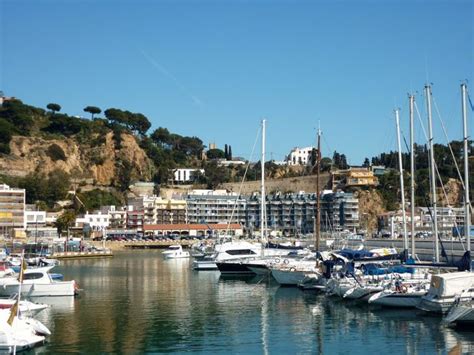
point(82, 254)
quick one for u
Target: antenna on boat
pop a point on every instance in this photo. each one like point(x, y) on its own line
point(402, 187)
point(318, 200)
point(467, 203)
point(412, 176)
point(263, 214)
point(433, 172)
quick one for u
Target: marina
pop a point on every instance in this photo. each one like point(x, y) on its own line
point(168, 307)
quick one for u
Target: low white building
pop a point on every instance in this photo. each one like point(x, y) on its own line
point(35, 219)
point(185, 175)
point(96, 221)
point(300, 156)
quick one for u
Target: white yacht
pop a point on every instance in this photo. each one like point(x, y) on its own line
point(461, 313)
point(444, 288)
point(21, 334)
point(175, 252)
point(37, 283)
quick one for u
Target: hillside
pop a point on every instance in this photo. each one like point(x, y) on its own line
point(95, 164)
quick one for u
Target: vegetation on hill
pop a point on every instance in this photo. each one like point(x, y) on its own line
point(168, 150)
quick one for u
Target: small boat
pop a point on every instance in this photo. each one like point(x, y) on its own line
point(21, 333)
point(461, 313)
point(402, 294)
point(25, 306)
point(37, 283)
point(444, 290)
point(175, 252)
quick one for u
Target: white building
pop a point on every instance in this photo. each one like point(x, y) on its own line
point(12, 209)
point(185, 175)
point(96, 221)
point(300, 156)
point(35, 219)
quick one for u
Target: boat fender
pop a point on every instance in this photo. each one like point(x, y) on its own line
point(292, 269)
point(277, 261)
point(403, 289)
point(286, 261)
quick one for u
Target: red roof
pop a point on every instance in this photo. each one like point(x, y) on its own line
point(182, 226)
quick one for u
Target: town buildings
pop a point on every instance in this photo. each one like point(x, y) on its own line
point(300, 156)
point(12, 209)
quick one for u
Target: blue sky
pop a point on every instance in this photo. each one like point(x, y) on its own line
point(214, 69)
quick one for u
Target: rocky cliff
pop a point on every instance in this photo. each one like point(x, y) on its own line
point(97, 162)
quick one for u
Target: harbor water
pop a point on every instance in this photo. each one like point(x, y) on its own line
point(137, 302)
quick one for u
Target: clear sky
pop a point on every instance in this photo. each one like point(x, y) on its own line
point(214, 69)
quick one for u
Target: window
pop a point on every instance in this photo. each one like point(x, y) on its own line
point(240, 252)
point(33, 276)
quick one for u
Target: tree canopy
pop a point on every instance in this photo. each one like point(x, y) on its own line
point(53, 107)
point(93, 110)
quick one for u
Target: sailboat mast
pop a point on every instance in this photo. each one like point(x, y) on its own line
point(318, 200)
point(412, 176)
point(467, 203)
point(402, 186)
point(433, 173)
point(262, 199)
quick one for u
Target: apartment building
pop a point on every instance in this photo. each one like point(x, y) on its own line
point(215, 206)
point(12, 209)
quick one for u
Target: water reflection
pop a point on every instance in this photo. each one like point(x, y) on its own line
point(138, 302)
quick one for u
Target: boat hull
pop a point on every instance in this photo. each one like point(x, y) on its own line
point(397, 300)
point(65, 288)
point(288, 277)
point(233, 268)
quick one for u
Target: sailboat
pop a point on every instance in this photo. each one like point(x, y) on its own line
point(445, 288)
point(294, 274)
point(250, 255)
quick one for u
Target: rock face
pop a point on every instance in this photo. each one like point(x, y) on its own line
point(370, 206)
point(83, 161)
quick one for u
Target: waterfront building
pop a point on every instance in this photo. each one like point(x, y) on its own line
point(35, 218)
point(158, 210)
point(12, 209)
point(294, 213)
point(300, 156)
point(117, 216)
point(194, 229)
point(135, 220)
point(290, 213)
point(339, 211)
point(94, 222)
point(215, 206)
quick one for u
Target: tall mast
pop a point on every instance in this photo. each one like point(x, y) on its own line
point(467, 203)
point(412, 177)
point(433, 173)
point(402, 186)
point(318, 201)
point(262, 199)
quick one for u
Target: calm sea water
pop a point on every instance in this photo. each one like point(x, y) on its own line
point(137, 302)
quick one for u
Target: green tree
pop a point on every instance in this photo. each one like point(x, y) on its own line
point(366, 163)
point(230, 153)
point(65, 221)
point(161, 136)
point(215, 175)
point(93, 110)
point(215, 154)
point(53, 107)
point(326, 164)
